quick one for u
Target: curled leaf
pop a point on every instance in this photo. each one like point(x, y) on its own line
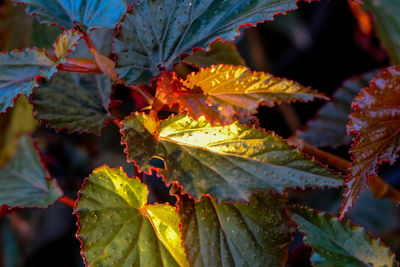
point(376, 122)
point(222, 92)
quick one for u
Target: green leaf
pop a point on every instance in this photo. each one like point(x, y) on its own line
point(222, 92)
point(118, 228)
point(257, 233)
point(339, 243)
point(376, 121)
point(12, 127)
point(20, 71)
point(155, 33)
point(89, 13)
point(78, 102)
point(228, 162)
point(328, 128)
point(24, 180)
point(387, 24)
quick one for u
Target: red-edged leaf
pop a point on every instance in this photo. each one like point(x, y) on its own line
point(117, 226)
point(20, 71)
point(24, 179)
point(221, 92)
point(155, 33)
point(339, 243)
point(228, 162)
point(257, 233)
point(376, 121)
point(64, 13)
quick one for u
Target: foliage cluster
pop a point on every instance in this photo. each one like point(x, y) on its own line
point(193, 123)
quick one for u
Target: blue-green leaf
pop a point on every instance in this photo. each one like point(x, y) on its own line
point(89, 13)
point(155, 32)
point(339, 243)
point(23, 180)
point(20, 71)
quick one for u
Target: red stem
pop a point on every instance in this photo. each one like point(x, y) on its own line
point(67, 201)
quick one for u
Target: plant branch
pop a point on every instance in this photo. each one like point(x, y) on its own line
point(80, 65)
point(146, 95)
point(67, 201)
point(379, 187)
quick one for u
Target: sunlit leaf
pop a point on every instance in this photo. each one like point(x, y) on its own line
point(328, 128)
point(24, 180)
point(155, 33)
point(339, 243)
point(376, 121)
point(387, 24)
point(20, 71)
point(228, 162)
point(118, 228)
point(88, 13)
point(78, 102)
point(218, 53)
point(257, 233)
point(13, 124)
point(222, 92)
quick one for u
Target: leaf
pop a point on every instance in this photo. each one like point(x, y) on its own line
point(13, 126)
point(155, 33)
point(118, 228)
point(77, 102)
point(376, 121)
point(387, 24)
point(90, 13)
point(228, 162)
point(20, 71)
point(328, 128)
point(339, 243)
point(218, 53)
point(221, 92)
point(24, 180)
point(257, 233)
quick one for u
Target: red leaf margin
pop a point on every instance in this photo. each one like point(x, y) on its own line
point(81, 241)
point(154, 170)
point(354, 185)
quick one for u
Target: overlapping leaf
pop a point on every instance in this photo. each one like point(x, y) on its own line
point(257, 233)
point(155, 33)
point(219, 53)
point(228, 162)
point(13, 124)
point(119, 228)
point(88, 13)
point(78, 102)
point(23, 180)
point(376, 121)
point(338, 243)
point(328, 128)
point(387, 24)
point(20, 71)
point(222, 91)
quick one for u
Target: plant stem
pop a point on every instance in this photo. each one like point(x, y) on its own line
point(67, 201)
point(80, 65)
point(379, 187)
point(146, 95)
